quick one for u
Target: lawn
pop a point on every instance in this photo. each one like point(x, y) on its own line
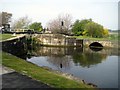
point(38, 73)
point(114, 37)
point(5, 36)
point(90, 38)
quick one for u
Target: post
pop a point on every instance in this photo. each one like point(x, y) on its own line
point(62, 24)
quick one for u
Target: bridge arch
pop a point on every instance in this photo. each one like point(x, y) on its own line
point(96, 44)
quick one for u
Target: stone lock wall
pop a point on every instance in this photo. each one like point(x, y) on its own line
point(59, 40)
point(63, 40)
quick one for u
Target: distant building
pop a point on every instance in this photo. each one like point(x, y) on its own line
point(5, 19)
point(0, 19)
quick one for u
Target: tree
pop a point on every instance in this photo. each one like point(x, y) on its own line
point(36, 26)
point(76, 28)
point(79, 26)
point(105, 32)
point(87, 27)
point(21, 23)
point(94, 30)
point(55, 26)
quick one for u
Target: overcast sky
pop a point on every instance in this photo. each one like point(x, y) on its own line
point(104, 12)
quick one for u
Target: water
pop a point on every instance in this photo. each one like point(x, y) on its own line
point(97, 67)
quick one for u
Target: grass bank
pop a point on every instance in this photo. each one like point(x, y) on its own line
point(5, 36)
point(41, 74)
point(111, 37)
point(90, 38)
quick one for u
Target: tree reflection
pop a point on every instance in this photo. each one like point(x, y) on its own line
point(87, 59)
point(60, 62)
point(65, 57)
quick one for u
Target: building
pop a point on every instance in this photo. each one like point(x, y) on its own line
point(5, 19)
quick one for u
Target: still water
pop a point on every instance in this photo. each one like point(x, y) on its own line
point(97, 67)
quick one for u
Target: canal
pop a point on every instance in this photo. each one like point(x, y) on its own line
point(97, 67)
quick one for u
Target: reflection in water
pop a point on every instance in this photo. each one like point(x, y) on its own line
point(95, 67)
point(88, 59)
point(60, 65)
point(60, 62)
point(61, 57)
point(96, 49)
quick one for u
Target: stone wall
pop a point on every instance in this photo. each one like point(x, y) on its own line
point(104, 43)
point(63, 40)
point(15, 46)
point(59, 40)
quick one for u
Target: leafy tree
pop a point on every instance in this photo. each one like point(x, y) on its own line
point(36, 26)
point(87, 27)
point(76, 28)
point(79, 26)
point(105, 32)
point(94, 30)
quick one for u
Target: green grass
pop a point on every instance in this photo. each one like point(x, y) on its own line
point(5, 36)
point(90, 38)
point(114, 37)
point(48, 77)
point(111, 37)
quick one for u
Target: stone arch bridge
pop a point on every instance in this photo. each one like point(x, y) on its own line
point(59, 39)
point(104, 43)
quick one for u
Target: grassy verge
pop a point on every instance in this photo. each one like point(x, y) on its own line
point(90, 38)
point(5, 36)
point(111, 37)
point(41, 74)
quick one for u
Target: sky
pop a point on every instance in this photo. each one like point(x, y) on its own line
point(104, 12)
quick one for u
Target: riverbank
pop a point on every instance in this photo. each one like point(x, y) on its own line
point(40, 74)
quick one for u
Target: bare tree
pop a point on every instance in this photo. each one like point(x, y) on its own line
point(61, 24)
point(21, 23)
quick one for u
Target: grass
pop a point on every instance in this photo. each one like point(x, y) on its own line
point(111, 37)
point(5, 36)
point(41, 74)
point(90, 38)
